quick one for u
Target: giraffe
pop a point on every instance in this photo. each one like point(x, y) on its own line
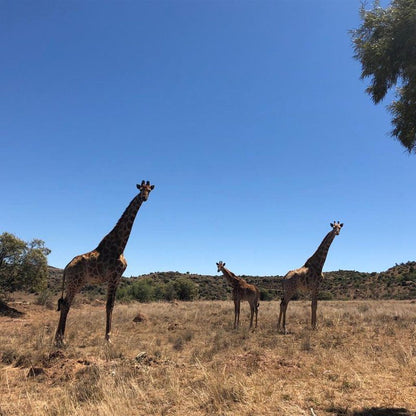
point(241, 291)
point(105, 264)
point(308, 277)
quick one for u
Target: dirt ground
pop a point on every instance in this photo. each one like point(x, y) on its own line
point(185, 358)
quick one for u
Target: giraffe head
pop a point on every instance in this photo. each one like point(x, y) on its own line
point(145, 189)
point(220, 266)
point(336, 226)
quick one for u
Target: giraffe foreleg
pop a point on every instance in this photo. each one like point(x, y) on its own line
point(235, 313)
point(111, 296)
point(314, 307)
point(237, 304)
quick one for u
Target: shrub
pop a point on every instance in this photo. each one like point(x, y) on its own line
point(45, 299)
point(147, 290)
point(325, 295)
point(185, 289)
point(142, 290)
point(267, 294)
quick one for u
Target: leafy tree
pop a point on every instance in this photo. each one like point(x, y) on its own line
point(11, 255)
point(148, 290)
point(159, 291)
point(185, 289)
point(23, 266)
point(267, 294)
point(385, 44)
point(170, 291)
point(142, 290)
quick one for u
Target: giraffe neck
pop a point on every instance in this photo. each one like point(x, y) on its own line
point(317, 260)
point(232, 279)
point(116, 240)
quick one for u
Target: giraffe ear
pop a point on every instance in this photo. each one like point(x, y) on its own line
point(332, 225)
point(152, 187)
point(341, 225)
point(137, 186)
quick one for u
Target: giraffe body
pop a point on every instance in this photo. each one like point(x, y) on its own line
point(241, 290)
point(307, 278)
point(105, 264)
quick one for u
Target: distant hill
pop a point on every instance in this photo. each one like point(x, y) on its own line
point(398, 282)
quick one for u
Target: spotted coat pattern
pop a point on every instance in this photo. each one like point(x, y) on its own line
point(308, 278)
point(105, 264)
point(241, 290)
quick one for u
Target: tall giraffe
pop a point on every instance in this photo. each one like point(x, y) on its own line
point(241, 291)
point(308, 277)
point(105, 264)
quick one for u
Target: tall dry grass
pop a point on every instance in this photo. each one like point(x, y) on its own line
point(186, 359)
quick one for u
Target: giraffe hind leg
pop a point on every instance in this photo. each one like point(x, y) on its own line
point(111, 296)
point(282, 315)
point(314, 307)
point(64, 305)
point(252, 308)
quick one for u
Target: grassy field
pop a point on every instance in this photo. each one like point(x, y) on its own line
point(185, 359)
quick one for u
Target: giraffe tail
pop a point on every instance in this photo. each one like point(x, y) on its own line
point(61, 299)
point(60, 303)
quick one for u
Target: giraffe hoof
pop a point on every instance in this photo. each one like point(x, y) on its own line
point(59, 343)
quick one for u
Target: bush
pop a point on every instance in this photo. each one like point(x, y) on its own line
point(142, 290)
point(325, 295)
point(123, 293)
point(45, 298)
point(185, 289)
point(267, 294)
point(147, 290)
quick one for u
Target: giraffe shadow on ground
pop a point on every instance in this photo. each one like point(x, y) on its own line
point(6, 310)
point(375, 411)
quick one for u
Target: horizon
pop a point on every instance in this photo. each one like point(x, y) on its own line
point(245, 275)
point(249, 118)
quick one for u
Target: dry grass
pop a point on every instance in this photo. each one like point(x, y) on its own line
point(186, 359)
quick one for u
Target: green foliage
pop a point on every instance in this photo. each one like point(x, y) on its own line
point(185, 289)
point(147, 290)
point(267, 294)
point(385, 44)
point(325, 295)
point(45, 298)
point(398, 282)
point(142, 290)
point(23, 266)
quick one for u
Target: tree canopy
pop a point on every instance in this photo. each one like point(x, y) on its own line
point(23, 265)
point(385, 44)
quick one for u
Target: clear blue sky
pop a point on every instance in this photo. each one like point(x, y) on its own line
point(248, 116)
